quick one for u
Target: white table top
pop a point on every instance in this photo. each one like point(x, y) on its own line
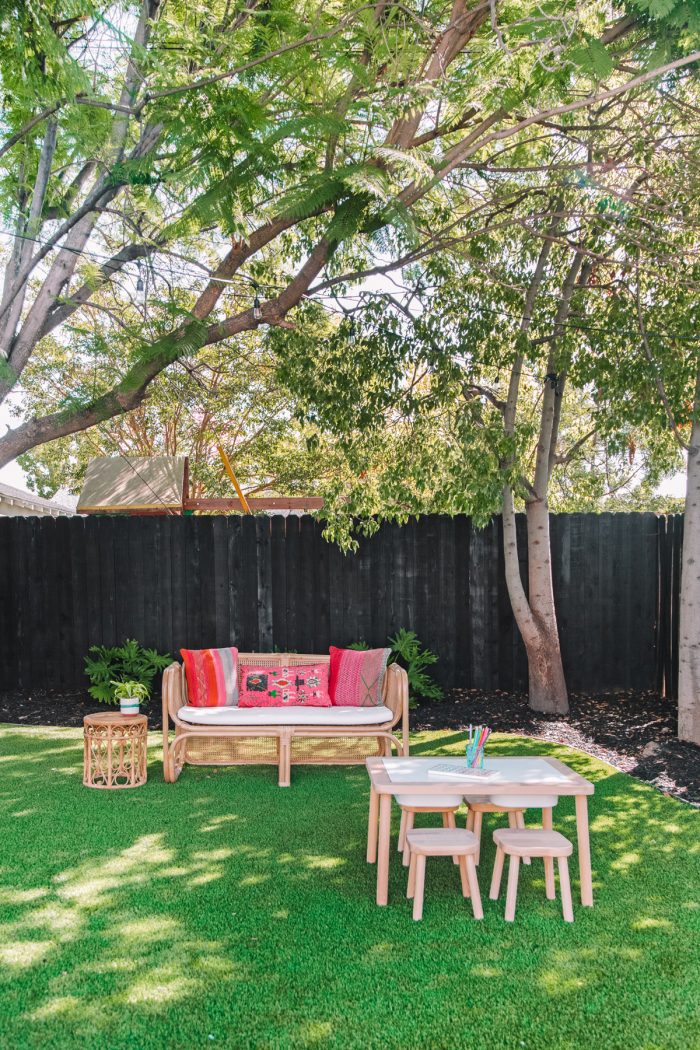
point(526, 774)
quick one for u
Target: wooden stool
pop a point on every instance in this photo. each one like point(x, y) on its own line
point(412, 804)
point(532, 842)
point(514, 806)
point(440, 842)
point(115, 751)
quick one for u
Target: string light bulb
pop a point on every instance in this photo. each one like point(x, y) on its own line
point(257, 311)
point(139, 279)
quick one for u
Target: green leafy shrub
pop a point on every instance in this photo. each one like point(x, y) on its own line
point(129, 662)
point(407, 650)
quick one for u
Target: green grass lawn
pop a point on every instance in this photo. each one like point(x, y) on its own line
point(225, 910)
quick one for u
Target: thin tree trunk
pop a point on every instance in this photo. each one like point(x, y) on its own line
point(689, 635)
point(547, 684)
point(534, 613)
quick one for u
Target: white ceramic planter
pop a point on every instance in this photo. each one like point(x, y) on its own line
point(129, 706)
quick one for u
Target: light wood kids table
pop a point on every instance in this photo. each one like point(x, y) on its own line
point(513, 776)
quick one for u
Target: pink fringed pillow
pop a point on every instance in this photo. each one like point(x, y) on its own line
point(357, 676)
point(302, 686)
point(212, 676)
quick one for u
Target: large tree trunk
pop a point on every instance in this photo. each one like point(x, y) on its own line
point(689, 635)
point(535, 615)
point(546, 672)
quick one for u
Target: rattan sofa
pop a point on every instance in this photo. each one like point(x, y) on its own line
point(281, 736)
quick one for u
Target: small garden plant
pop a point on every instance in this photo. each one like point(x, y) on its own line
point(113, 667)
point(130, 690)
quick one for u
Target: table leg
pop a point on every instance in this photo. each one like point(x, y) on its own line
point(383, 851)
point(584, 851)
point(372, 826)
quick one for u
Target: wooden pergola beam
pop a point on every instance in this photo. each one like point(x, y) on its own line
point(256, 503)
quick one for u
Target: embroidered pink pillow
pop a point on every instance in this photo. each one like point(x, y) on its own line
point(212, 676)
point(357, 676)
point(302, 686)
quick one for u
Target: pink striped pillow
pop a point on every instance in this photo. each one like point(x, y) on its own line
point(212, 676)
point(357, 676)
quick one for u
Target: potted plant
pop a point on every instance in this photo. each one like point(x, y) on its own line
point(130, 694)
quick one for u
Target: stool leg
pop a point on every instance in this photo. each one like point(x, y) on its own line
point(402, 830)
point(497, 873)
point(478, 818)
point(474, 887)
point(549, 878)
point(565, 888)
point(408, 826)
point(512, 892)
point(411, 887)
point(450, 822)
point(419, 888)
point(520, 823)
point(463, 875)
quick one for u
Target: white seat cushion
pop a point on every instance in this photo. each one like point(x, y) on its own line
point(436, 802)
point(285, 716)
point(524, 801)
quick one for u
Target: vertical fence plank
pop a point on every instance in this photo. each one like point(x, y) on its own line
point(163, 585)
point(219, 582)
point(125, 613)
point(292, 577)
point(646, 585)
point(235, 583)
point(306, 622)
point(279, 582)
point(76, 630)
point(8, 607)
point(336, 561)
point(47, 589)
point(207, 576)
point(520, 655)
point(323, 637)
point(444, 669)
point(677, 534)
point(662, 602)
point(478, 605)
point(248, 595)
point(179, 597)
point(381, 605)
point(462, 616)
point(591, 657)
point(263, 542)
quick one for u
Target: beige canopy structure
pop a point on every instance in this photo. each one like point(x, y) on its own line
point(134, 485)
point(160, 485)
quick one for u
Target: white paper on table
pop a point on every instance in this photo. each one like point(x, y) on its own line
point(525, 771)
point(457, 770)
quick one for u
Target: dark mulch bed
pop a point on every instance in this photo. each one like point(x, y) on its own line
point(48, 708)
point(635, 732)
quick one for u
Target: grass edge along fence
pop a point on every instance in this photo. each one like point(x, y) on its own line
point(266, 583)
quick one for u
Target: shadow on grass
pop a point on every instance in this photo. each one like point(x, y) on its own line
point(223, 906)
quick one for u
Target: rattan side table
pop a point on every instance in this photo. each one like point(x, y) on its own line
point(115, 750)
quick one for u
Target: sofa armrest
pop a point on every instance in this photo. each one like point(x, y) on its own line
point(396, 698)
point(173, 697)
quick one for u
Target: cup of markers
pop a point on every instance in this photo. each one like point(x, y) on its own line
point(476, 739)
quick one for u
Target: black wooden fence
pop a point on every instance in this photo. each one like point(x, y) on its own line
point(262, 582)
